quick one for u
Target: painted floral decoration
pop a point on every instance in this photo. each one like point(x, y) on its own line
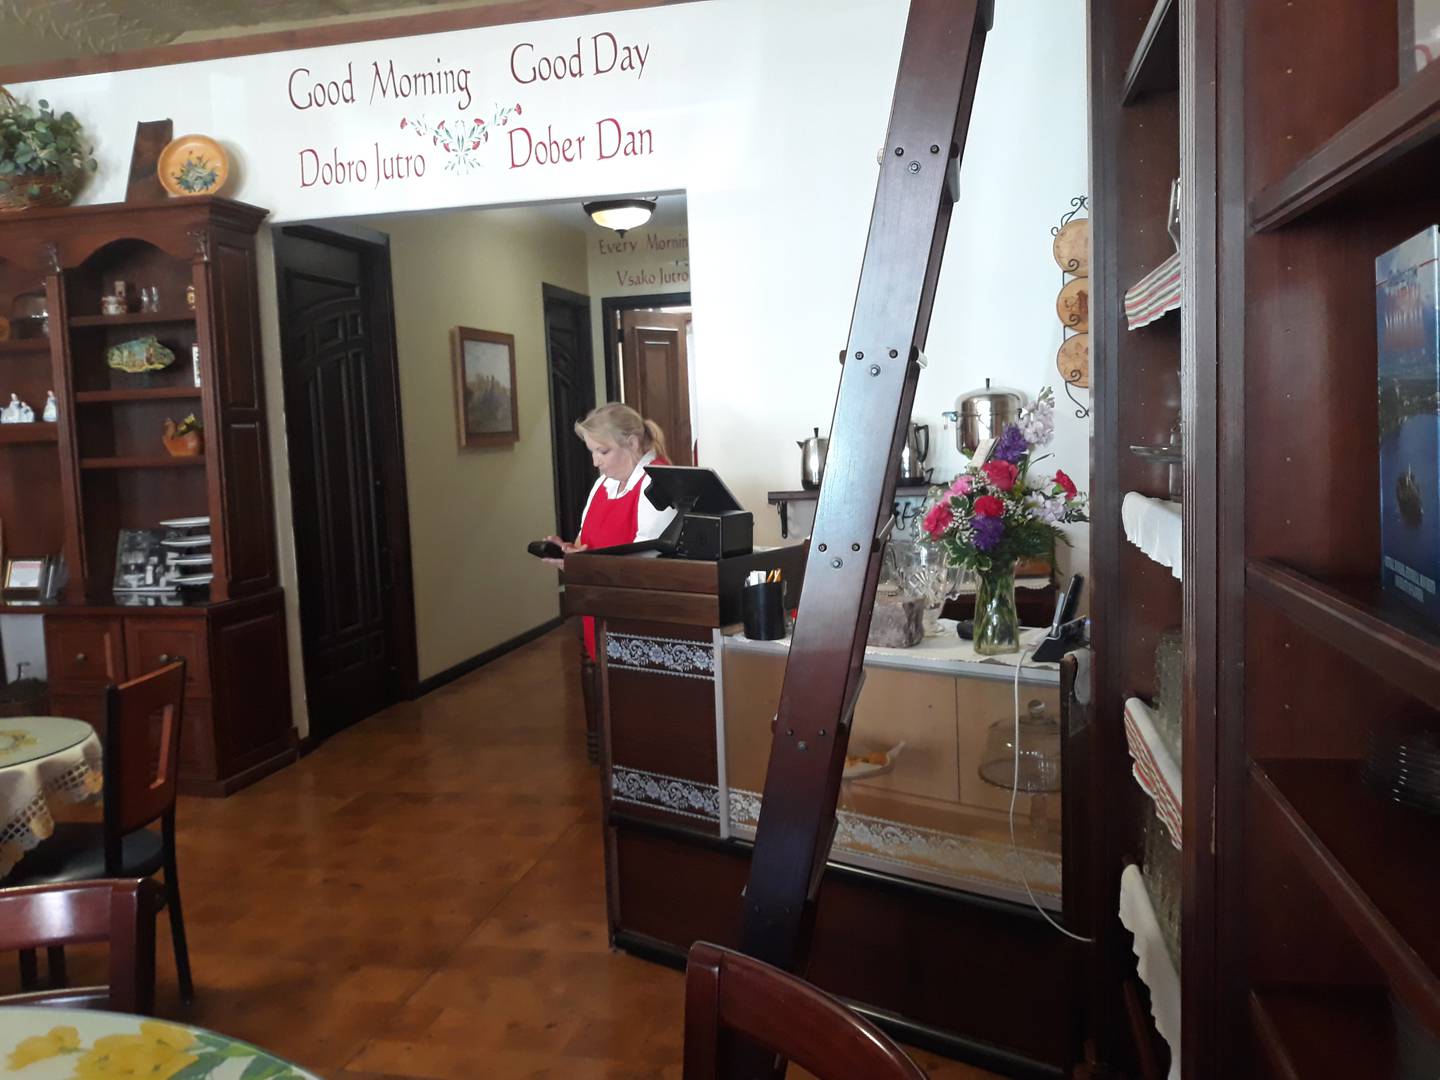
point(1000, 510)
point(158, 1051)
point(197, 175)
point(461, 140)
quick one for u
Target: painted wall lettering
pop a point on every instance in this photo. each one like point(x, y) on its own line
point(529, 63)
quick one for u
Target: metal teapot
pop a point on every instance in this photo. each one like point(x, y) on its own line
point(812, 460)
point(913, 453)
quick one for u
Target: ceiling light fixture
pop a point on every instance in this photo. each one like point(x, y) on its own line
point(620, 214)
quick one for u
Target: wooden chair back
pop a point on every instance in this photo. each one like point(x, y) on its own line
point(121, 913)
point(141, 784)
point(729, 994)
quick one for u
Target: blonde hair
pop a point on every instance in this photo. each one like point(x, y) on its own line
point(617, 424)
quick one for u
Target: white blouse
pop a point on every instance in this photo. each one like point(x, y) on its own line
point(649, 522)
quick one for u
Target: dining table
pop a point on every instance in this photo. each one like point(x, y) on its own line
point(44, 1043)
point(46, 762)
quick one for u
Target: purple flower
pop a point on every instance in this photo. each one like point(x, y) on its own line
point(1011, 445)
point(988, 531)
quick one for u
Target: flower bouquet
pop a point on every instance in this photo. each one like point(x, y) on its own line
point(998, 511)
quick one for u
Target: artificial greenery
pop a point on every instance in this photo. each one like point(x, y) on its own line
point(36, 144)
point(188, 425)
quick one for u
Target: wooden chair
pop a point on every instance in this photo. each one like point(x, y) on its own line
point(119, 912)
point(729, 993)
point(141, 782)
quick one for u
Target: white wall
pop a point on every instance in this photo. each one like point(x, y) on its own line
point(769, 116)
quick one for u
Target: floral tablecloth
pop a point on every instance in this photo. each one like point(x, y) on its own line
point(51, 1044)
point(45, 761)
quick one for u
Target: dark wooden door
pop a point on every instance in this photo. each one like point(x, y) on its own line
point(342, 420)
point(655, 368)
point(572, 395)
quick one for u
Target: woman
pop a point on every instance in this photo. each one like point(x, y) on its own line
point(621, 444)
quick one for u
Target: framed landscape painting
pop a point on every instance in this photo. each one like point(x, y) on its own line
point(485, 405)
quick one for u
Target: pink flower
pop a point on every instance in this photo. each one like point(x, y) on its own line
point(989, 506)
point(960, 487)
point(938, 520)
point(1001, 474)
point(447, 146)
point(403, 122)
point(474, 144)
point(519, 111)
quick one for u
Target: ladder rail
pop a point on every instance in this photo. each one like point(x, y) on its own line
point(935, 87)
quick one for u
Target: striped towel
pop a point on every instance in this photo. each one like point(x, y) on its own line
point(1154, 294)
point(1154, 768)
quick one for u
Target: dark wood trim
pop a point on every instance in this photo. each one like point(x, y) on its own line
point(315, 37)
point(558, 292)
point(218, 789)
point(1205, 519)
point(479, 660)
point(611, 306)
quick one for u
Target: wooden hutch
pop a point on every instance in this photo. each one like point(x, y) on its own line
point(68, 488)
point(1309, 944)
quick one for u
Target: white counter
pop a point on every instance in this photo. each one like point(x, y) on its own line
point(945, 653)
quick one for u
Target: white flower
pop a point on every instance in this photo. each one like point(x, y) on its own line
point(1038, 423)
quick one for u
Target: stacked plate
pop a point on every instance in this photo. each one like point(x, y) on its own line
point(188, 551)
point(1405, 767)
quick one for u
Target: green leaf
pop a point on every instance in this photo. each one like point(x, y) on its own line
point(265, 1067)
point(200, 1068)
point(44, 104)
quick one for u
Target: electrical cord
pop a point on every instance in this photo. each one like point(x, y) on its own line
point(1014, 794)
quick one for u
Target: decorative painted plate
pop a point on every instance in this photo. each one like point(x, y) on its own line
point(142, 354)
point(1073, 360)
point(193, 165)
point(1072, 247)
point(1073, 305)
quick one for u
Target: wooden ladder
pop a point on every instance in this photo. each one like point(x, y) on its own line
point(934, 89)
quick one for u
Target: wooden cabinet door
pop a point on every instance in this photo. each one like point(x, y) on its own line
point(83, 653)
point(151, 643)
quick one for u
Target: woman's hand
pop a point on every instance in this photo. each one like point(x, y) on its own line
point(565, 546)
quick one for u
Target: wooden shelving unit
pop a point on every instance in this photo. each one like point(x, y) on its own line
point(134, 318)
point(1136, 380)
point(156, 462)
point(1155, 67)
point(1385, 892)
point(1323, 160)
point(71, 488)
point(22, 346)
point(1383, 137)
point(1338, 1031)
point(1351, 617)
point(15, 434)
point(159, 393)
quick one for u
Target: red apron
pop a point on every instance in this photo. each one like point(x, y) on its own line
point(609, 522)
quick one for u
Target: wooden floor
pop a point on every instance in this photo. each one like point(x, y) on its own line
point(422, 897)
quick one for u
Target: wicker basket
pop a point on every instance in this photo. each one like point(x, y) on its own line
point(55, 189)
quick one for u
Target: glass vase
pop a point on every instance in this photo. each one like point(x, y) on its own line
point(997, 622)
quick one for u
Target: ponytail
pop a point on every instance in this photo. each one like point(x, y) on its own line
point(655, 437)
point(618, 424)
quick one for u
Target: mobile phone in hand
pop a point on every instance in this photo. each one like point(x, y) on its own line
point(546, 549)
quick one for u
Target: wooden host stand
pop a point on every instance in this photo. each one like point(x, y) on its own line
point(923, 960)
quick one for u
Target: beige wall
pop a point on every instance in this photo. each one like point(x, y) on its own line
point(473, 511)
